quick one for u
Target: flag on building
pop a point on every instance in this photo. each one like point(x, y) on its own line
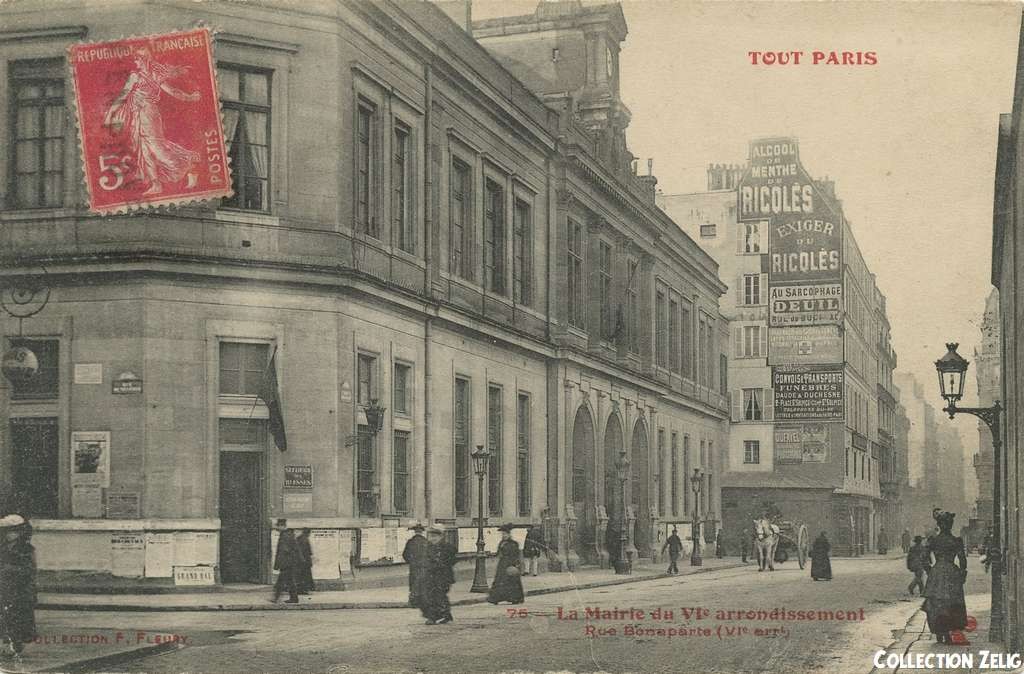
point(270, 393)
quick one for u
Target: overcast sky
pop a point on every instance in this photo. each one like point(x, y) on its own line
point(910, 141)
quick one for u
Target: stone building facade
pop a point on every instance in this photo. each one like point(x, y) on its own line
point(419, 230)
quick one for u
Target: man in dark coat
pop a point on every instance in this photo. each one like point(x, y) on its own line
point(304, 581)
point(918, 562)
point(415, 555)
point(440, 576)
point(905, 541)
point(288, 562)
point(675, 546)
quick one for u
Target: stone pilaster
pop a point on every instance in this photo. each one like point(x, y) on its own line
point(600, 537)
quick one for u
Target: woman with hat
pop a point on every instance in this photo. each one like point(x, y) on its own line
point(439, 577)
point(508, 585)
point(17, 584)
point(944, 592)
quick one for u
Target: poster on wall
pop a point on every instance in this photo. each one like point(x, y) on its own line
point(805, 345)
point(372, 545)
point(90, 458)
point(802, 443)
point(206, 547)
point(86, 500)
point(127, 555)
point(122, 505)
point(808, 393)
point(159, 555)
point(346, 541)
point(324, 544)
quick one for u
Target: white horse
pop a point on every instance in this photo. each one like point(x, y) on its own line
point(766, 538)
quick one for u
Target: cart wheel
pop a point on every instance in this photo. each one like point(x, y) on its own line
point(803, 545)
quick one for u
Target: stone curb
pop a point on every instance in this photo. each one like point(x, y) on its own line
point(906, 640)
point(325, 606)
point(105, 662)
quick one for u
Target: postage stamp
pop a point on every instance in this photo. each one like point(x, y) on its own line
point(149, 121)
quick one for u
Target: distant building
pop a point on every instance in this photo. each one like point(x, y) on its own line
point(987, 370)
point(838, 486)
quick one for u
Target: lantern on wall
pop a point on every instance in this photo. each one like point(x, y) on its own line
point(374, 416)
point(19, 364)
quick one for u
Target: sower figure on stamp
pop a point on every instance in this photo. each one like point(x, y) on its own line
point(304, 581)
point(440, 576)
point(415, 555)
point(17, 585)
point(674, 546)
point(287, 562)
point(507, 585)
point(918, 562)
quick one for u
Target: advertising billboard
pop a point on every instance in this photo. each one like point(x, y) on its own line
point(802, 443)
point(805, 345)
point(808, 392)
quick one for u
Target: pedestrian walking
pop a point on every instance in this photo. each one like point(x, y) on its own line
point(986, 549)
point(17, 585)
point(821, 565)
point(944, 592)
point(288, 564)
point(918, 563)
point(415, 555)
point(304, 581)
point(532, 547)
point(744, 544)
point(440, 576)
point(674, 546)
point(883, 541)
point(718, 544)
point(507, 585)
point(905, 541)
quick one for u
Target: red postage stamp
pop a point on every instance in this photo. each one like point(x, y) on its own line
point(149, 121)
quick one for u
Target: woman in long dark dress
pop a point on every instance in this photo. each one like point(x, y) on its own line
point(507, 586)
point(944, 592)
point(17, 584)
point(821, 565)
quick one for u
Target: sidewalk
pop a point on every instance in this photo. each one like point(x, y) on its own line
point(917, 643)
point(257, 598)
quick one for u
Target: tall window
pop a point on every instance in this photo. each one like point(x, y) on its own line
point(604, 289)
point(366, 366)
point(461, 214)
point(751, 451)
point(633, 307)
point(577, 306)
point(460, 425)
point(366, 215)
point(522, 252)
point(751, 289)
point(494, 435)
point(687, 342)
point(686, 473)
point(523, 453)
point(242, 367)
point(46, 383)
point(753, 404)
point(494, 237)
point(400, 389)
point(366, 472)
point(723, 374)
point(401, 184)
point(752, 237)
point(702, 352)
point(673, 335)
point(675, 475)
point(400, 471)
point(245, 101)
point(37, 137)
point(661, 336)
point(753, 344)
point(660, 472)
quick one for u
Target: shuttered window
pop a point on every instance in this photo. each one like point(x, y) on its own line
point(494, 444)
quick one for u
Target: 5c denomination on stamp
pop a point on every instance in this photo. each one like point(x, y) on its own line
point(149, 121)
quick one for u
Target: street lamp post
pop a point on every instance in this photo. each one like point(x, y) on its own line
point(696, 481)
point(480, 458)
point(622, 565)
point(951, 368)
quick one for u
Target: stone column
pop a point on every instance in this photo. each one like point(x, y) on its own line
point(600, 536)
point(631, 552)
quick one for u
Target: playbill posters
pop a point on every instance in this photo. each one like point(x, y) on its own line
point(644, 296)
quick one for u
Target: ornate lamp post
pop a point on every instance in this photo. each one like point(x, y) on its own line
point(951, 368)
point(622, 564)
point(480, 458)
point(696, 481)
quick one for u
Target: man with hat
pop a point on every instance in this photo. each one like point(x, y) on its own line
point(918, 562)
point(674, 546)
point(288, 562)
point(439, 577)
point(415, 555)
point(17, 584)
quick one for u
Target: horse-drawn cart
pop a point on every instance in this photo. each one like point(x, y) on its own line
point(793, 539)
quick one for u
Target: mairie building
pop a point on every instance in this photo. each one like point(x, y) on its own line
point(435, 245)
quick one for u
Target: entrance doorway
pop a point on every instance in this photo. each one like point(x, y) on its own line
point(583, 501)
point(242, 509)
